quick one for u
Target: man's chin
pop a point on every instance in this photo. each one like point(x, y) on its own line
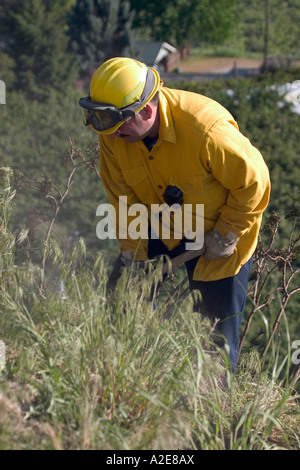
point(130, 139)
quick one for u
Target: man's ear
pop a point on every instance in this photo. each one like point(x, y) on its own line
point(147, 112)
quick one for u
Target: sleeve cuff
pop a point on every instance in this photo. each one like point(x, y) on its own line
point(225, 231)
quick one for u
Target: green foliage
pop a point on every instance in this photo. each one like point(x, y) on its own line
point(183, 20)
point(36, 42)
point(36, 141)
point(104, 372)
point(7, 71)
point(99, 30)
point(222, 21)
point(283, 25)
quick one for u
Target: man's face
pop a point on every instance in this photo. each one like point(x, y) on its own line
point(136, 128)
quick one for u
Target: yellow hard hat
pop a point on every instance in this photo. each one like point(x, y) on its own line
point(119, 89)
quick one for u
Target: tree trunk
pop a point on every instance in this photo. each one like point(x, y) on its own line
point(266, 35)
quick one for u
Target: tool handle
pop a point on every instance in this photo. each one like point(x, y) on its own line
point(181, 259)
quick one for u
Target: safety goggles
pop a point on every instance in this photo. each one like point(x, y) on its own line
point(104, 116)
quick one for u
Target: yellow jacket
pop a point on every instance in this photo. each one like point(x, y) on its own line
point(201, 151)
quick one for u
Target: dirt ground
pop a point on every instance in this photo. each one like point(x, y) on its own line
point(217, 64)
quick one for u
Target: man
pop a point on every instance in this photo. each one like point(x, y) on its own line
point(152, 139)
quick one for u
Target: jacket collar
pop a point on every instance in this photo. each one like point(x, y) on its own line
point(166, 125)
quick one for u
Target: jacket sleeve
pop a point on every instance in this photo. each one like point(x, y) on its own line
point(240, 168)
point(115, 186)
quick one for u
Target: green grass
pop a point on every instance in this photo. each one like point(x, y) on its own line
point(93, 372)
point(86, 369)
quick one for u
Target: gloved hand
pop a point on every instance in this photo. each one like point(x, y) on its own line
point(217, 246)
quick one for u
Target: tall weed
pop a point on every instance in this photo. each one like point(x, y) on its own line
point(87, 369)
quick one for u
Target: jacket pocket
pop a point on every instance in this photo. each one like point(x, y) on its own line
point(193, 188)
point(133, 176)
point(138, 180)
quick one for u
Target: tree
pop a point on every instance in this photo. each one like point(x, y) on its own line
point(272, 27)
point(266, 32)
point(99, 30)
point(181, 20)
point(35, 40)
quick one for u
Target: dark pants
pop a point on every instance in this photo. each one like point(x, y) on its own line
point(223, 299)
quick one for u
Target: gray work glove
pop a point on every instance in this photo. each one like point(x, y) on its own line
point(217, 246)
